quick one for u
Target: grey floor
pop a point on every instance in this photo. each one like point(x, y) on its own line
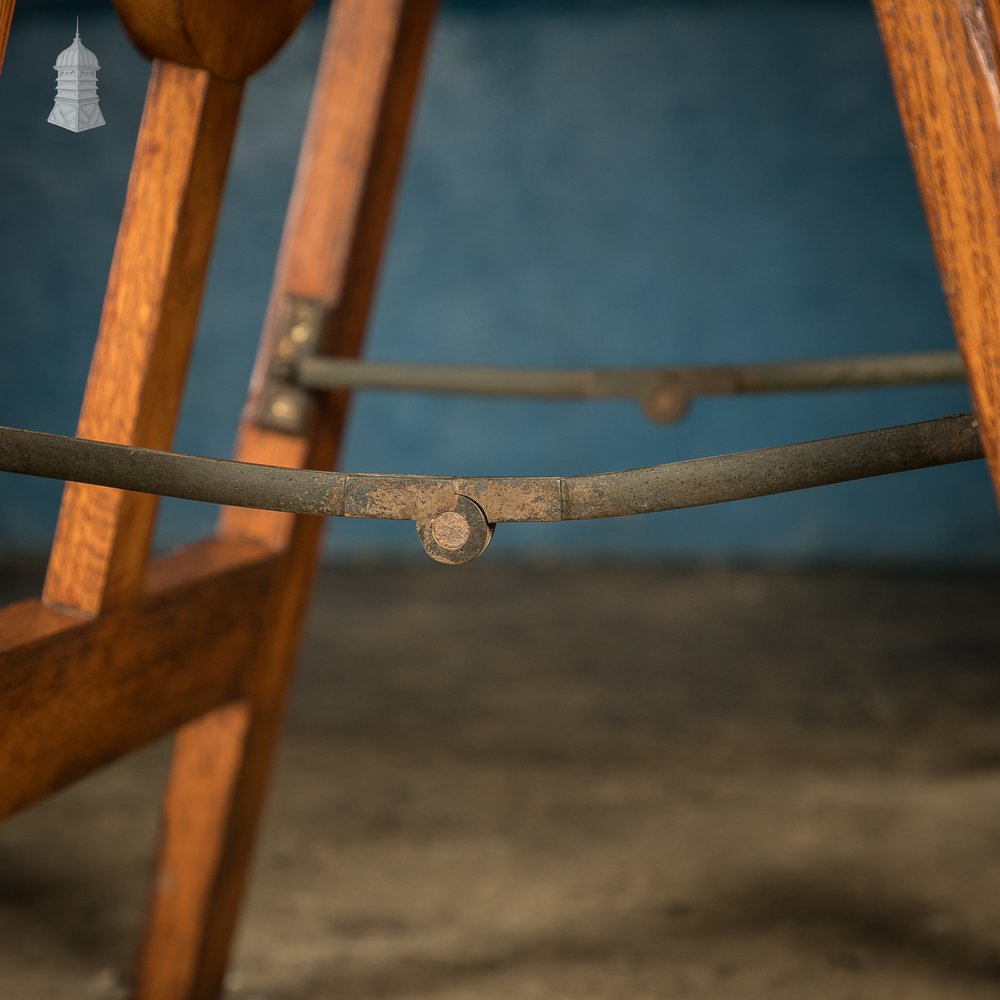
point(505, 782)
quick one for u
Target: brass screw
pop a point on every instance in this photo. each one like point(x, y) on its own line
point(299, 333)
point(282, 407)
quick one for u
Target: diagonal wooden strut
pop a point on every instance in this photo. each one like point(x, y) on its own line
point(943, 56)
point(330, 252)
point(6, 16)
point(147, 327)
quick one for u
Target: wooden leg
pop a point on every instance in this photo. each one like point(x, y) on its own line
point(212, 806)
point(6, 15)
point(330, 252)
point(147, 327)
point(943, 57)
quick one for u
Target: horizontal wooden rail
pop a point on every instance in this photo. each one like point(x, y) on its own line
point(77, 693)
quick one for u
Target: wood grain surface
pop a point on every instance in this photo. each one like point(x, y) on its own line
point(230, 38)
point(330, 251)
point(337, 217)
point(6, 15)
point(77, 693)
point(943, 58)
point(147, 327)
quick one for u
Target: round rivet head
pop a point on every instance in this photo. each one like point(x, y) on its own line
point(456, 534)
point(450, 530)
point(666, 404)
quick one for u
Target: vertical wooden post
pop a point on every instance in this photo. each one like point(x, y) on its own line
point(943, 58)
point(147, 327)
point(330, 252)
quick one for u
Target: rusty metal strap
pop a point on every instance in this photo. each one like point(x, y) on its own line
point(437, 504)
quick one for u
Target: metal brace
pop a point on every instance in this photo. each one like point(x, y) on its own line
point(455, 516)
point(285, 405)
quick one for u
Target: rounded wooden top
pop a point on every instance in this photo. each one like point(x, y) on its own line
point(230, 38)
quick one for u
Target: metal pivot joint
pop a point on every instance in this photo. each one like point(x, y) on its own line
point(457, 534)
point(285, 405)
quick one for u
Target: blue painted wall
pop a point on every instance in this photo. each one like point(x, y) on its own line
point(588, 183)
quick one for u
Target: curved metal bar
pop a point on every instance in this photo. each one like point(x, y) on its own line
point(420, 498)
point(663, 393)
point(187, 477)
point(767, 471)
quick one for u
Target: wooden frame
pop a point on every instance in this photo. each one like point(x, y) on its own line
point(120, 650)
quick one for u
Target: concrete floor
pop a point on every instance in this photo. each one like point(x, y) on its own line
point(566, 783)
